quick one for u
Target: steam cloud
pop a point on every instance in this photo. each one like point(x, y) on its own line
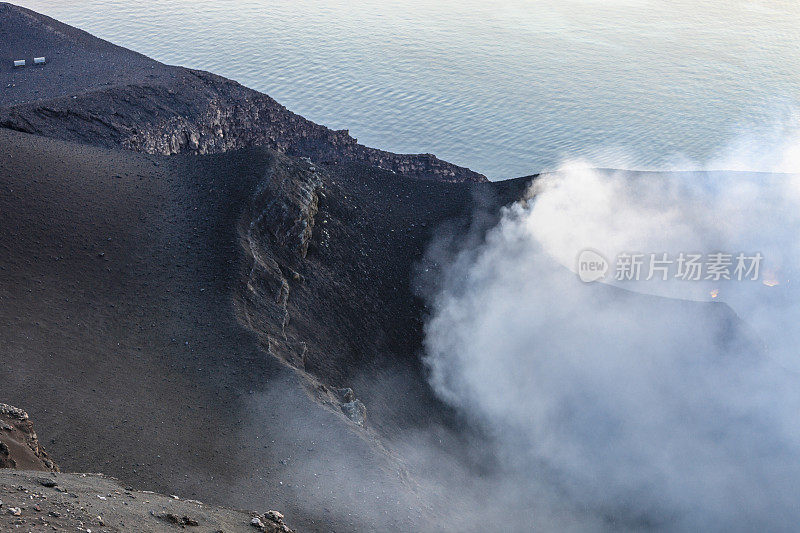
point(647, 402)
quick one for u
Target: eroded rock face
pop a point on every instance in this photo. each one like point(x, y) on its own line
point(198, 112)
point(279, 231)
point(280, 225)
point(19, 445)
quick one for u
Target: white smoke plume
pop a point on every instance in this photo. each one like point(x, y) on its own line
point(651, 403)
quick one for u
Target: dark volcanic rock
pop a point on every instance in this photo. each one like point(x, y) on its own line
point(19, 445)
point(197, 297)
point(168, 355)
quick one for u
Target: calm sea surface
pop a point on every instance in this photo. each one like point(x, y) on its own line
point(507, 88)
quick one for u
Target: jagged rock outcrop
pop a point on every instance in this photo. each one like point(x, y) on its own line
point(355, 411)
point(271, 522)
point(19, 445)
point(277, 233)
point(352, 407)
point(279, 229)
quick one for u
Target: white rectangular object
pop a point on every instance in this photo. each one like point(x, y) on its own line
point(19, 63)
point(38, 61)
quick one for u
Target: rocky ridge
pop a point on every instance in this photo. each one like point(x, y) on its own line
point(277, 231)
point(202, 113)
